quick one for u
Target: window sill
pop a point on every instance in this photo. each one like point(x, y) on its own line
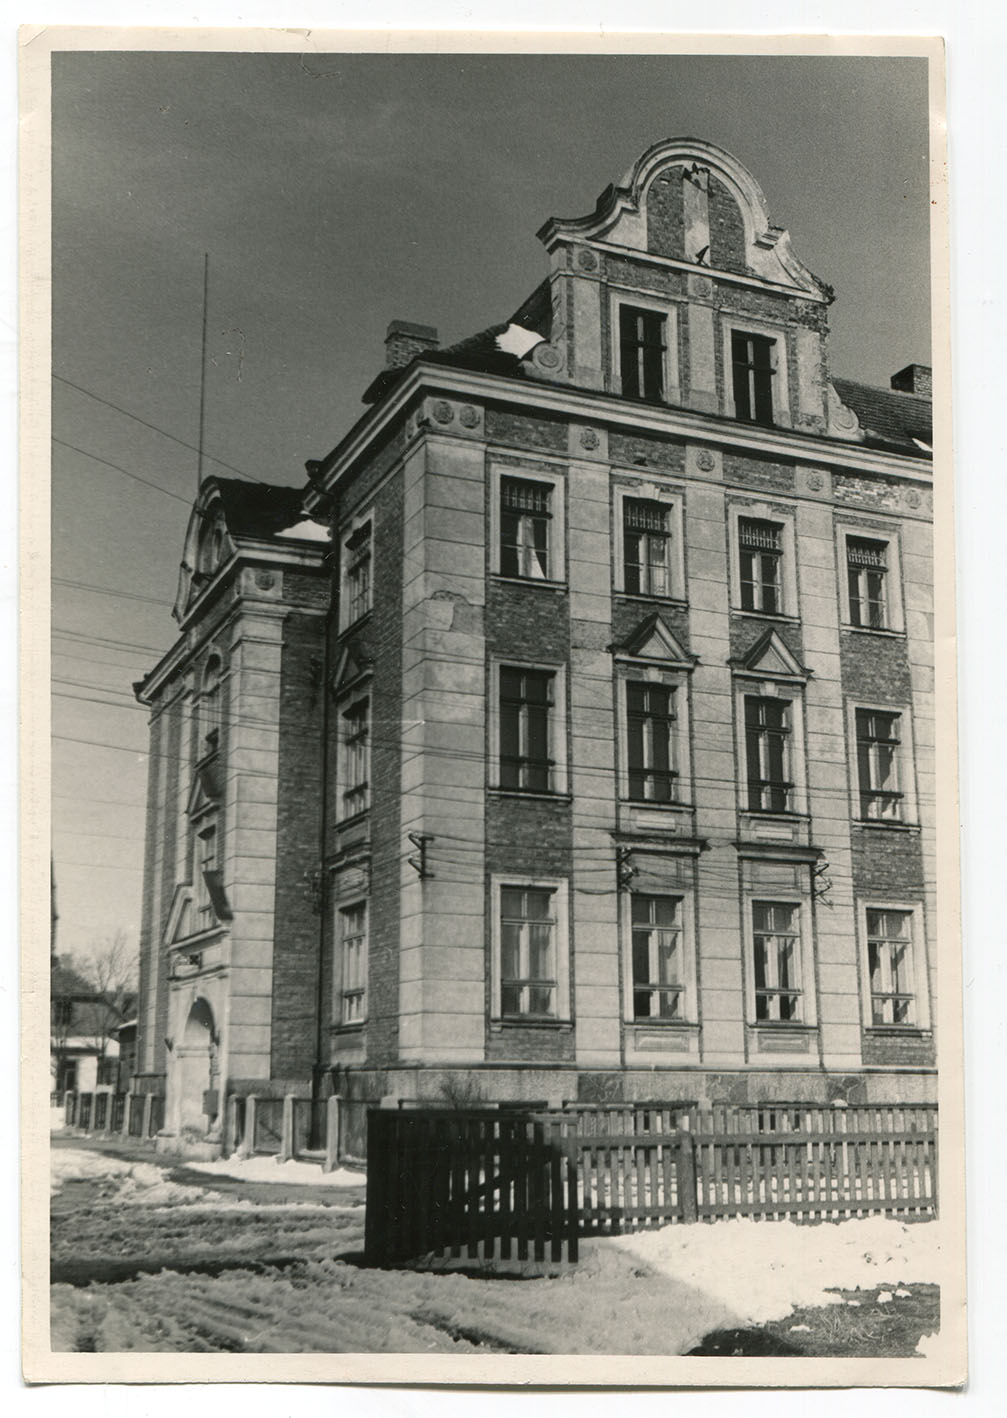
point(896, 1031)
point(762, 814)
point(910, 827)
point(768, 615)
point(649, 805)
point(886, 632)
point(530, 1021)
point(782, 1026)
point(534, 794)
point(352, 819)
point(541, 583)
point(356, 624)
point(673, 1026)
point(348, 1030)
point(646, 596)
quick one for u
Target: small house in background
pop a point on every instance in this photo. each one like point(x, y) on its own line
point(83, 1032)
point(570, 735)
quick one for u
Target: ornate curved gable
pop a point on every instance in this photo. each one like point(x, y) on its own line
point(691, 201)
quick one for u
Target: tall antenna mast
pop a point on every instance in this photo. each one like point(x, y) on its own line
point(202, 378)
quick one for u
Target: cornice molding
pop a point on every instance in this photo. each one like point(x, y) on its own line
point(595, 407)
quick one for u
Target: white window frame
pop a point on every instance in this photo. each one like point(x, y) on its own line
point(793, 692)
point(206, 829)
point(561, 889)
point(847, 531)
point(920, 972)
point(689, 1013)
point(362, 691)
point(350, 531)
point(343, 908)
point(558, 778)
point(672, 503)
point(636, 300)
point(678, 682)
point(556, 483)
point(905, 759)
point(731, 325)
point(805, 958)
point(784, 519)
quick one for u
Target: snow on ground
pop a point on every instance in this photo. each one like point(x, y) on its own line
point(761, 1270)
point(148, 1184)
point(268, 1169)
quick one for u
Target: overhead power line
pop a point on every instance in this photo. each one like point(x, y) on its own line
point(125, 471)
point(193, 448)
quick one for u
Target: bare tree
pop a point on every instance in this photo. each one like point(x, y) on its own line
point(110, 968)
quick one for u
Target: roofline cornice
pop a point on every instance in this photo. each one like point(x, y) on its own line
point(594, 406)
point(250, 553)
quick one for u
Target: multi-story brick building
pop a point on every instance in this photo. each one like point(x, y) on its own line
point(621, 784)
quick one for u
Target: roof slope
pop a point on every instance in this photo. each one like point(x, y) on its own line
point(889, 418)
point(259, 510)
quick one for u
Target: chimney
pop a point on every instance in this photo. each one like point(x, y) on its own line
point(405, 341)
point(914, 379)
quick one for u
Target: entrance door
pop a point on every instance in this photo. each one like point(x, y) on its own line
point(194, 1065)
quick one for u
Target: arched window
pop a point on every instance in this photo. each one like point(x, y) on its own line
point(209, 706)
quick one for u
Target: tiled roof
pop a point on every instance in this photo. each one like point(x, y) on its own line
point(889, 419)
point(257, 509)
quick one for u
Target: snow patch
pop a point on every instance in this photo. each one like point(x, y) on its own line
point(516, 340)
point(306, 531)
point(269, 1169)
point(761, 1270)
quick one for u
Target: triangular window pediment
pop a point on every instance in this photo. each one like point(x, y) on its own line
point(179, 924)
point(770, 657)
point(654, 640)
point(206, 791)
point(349, 669)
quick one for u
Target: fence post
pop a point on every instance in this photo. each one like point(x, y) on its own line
point(69, 1112)
point(109, 1112)
point(148, 1108)
point(687, 1199)
point(287, 1129)
point(230, 1124)
point(248, 1137)
point(127, 1104)
point(331, 1134)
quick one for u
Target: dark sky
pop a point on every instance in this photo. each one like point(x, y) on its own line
point(335, 193)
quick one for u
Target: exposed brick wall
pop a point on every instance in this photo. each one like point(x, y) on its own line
point(742, 300)
point(514, 1044)
point(665, 214)
point(298, 817)
point(623, 270)
point(503, 426)
point(727, 230)
point(527, 622)
point(628, 615)
point(875, 668)
point(369, 471)
point(868, 491)
point(638, 450)
point(908, 1049)
point(758, 472)
point(385, 640)
point(747, 630)
point(886, 862)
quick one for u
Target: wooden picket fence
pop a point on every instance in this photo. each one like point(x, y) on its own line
point(508, 1186)
point(816, 1164)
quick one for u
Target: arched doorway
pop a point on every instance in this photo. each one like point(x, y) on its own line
point(195, 1056)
